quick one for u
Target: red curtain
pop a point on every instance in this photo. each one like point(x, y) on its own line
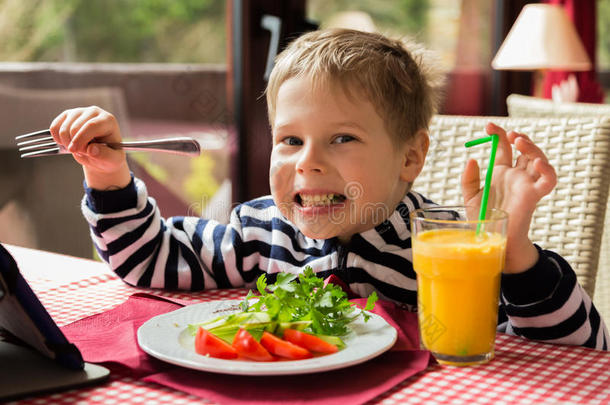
point(584, 15)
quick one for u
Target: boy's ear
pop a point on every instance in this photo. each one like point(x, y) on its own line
point(415, 152)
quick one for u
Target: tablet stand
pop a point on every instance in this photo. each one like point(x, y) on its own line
point(46, 361)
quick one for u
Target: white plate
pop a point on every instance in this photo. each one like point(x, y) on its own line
point(166, 337)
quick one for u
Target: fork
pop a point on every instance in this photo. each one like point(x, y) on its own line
point(41, 143)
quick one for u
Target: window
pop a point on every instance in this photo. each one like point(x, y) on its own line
point(146, 61)
point(185, 31)
point(459, 32)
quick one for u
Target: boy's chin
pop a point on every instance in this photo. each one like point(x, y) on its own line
point(324, 231)
point(316, 231)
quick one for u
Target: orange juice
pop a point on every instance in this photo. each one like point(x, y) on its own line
point(458, 283)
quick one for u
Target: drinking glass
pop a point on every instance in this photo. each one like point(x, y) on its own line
point(458, 260)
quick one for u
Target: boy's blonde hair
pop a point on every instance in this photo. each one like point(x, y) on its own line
point(392, 74)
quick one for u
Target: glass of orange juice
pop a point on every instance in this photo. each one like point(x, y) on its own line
point(458, 260)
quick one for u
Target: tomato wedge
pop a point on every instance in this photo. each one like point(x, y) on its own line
point(282, 348)
point(309, 342)
point(248, 347)
point(209, 345)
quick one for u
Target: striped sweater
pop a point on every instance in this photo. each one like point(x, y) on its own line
point(544, 303)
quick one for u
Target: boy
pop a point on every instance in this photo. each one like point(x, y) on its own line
point(349, 113)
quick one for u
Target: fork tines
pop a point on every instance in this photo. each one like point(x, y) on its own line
point(35, 141)
point(33, 134)
point(38, 143)
point(42, 152)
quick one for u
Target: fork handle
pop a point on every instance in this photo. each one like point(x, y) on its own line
point(179, 145)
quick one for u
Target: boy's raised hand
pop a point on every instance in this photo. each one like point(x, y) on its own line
point(80, 131)
point(516, 188)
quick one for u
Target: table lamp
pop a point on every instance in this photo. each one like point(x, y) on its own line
point(542, 38)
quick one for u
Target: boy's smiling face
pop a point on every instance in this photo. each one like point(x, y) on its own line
point(335, 170)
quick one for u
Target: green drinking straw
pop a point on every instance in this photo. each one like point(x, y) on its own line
point(494, 146)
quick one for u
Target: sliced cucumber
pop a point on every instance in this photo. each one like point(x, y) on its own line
point(231, 320)
point(228, 332)
point(298, 325)
point(333, 340)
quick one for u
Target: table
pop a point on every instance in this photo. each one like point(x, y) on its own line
point(523, 371)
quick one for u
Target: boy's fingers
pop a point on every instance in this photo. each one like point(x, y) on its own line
point(471, 181)
point(512, 135)
point(95, 151)
point(528, 148)
point(91, 129)
point(76, 127)
point(522, 162)
point(64, 129)
point(56, 124)
point(548, 178)
point(504, 153)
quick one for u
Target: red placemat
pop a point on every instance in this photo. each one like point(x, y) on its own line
point(110, 337)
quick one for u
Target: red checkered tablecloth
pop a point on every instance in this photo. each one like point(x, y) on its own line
point(523, 371)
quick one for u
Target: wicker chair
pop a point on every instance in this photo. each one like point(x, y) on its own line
point(526, 106)
point(569, 220)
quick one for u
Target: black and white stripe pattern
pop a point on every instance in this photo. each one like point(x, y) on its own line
point(544, 303)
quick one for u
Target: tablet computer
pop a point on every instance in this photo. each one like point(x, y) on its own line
point(36, 356)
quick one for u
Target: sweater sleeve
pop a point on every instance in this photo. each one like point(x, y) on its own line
point(546, 303)
point(147, 250)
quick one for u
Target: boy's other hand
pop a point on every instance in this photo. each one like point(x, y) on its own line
point(516, 188)
point(81, 131)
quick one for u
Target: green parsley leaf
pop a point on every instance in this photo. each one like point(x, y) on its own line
point(244, 304)
point(283, 282)
point(304, 298)
point(261, 284)
point(370, 301)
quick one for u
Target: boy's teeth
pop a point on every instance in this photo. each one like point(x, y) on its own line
point(308, 200)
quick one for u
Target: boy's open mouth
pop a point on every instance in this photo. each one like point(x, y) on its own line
point(318, 200)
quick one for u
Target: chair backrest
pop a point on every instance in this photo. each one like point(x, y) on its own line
point(570, 219)
point(25, 110)
point(526, 106)
point(46, 192)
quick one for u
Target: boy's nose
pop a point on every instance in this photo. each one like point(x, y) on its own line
point(310, 160)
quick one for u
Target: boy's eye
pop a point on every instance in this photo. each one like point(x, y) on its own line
point(343, 139)
point(292, 141)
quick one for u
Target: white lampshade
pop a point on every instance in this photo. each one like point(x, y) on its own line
point(543, 37)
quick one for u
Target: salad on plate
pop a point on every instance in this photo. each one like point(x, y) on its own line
point(297, 317)
point(296, 325)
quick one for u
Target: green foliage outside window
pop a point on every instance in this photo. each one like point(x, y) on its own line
point(201, 185)
point(399, 17)
point(181, 31)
